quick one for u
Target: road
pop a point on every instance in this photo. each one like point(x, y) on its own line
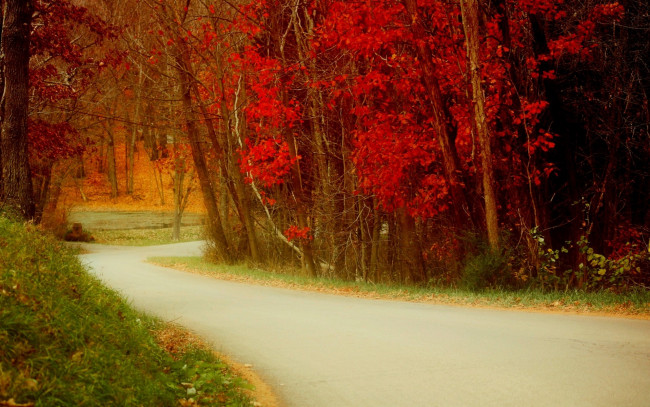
point(324, 350)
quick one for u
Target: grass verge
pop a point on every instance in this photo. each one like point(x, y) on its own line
point(67, 340)
point(146, 237)
point(634, 303)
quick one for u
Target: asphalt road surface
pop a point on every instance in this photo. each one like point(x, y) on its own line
point(331, 351)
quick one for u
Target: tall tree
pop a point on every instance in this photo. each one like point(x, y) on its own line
point(470, 14)
point(14, 162)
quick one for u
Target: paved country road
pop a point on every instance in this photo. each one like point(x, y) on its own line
point(325, 350)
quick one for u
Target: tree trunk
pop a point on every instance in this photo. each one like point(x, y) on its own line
point(412, 265)
point(301, 207)
point(41, 191)
point(112, 167)
point(365, 224)
point(132, 138)
point(14, 162)
point(198, 156)
point(230, 164)
point(374, 249)
point(470, 15)
point(179, 178)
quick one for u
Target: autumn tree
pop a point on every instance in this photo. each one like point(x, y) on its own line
point(48, 50)
point(16, 191)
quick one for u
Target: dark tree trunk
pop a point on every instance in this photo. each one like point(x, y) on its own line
point(215, 227)
point(376, 235)
point(110, 157)
point(411, 264)
point(14, 163)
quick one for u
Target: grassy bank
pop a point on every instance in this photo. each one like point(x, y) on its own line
point(67, 340)
point(146, 237)
point(635, 303)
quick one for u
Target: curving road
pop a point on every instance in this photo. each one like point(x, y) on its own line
point(330, 351)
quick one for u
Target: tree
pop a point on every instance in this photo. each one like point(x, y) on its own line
point(14, 162)
point(471, 17)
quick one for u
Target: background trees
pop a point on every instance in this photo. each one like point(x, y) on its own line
point(490, 143)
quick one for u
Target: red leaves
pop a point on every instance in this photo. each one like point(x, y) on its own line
point(365, 59)
point(267, 162)
point(54, 141)
point(297, 233)
point(55, 38)
point(577, 42)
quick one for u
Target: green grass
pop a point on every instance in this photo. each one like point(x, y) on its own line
point(66, 340)
point(146, 237)
point(630, 303)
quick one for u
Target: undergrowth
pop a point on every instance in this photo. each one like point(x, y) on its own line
point(633, 302)
point(66, 340)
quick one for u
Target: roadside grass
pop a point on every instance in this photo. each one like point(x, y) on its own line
point(67, 340)
point(633, 303)
point(146, 237)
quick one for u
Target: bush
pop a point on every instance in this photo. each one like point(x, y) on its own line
point(487, 269)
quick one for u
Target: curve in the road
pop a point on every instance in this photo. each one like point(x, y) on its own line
point(330, 351)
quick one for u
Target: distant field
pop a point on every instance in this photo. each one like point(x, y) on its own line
point(120, 220)
point(145, 237)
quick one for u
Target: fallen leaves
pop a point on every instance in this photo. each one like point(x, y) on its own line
point(175, 340)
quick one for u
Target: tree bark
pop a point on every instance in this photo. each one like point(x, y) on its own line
point(298, 188)
point(375, 270)
point(470, 15)
point(14, 162)
point(198, 156)
point(131, 141)
point(110, 157)
point(230, 168)
point(181, 196)
point(412, 264)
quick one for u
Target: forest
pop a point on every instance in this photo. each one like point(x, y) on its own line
point(483, 143)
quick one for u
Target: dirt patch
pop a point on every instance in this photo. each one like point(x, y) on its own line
point(262, 394)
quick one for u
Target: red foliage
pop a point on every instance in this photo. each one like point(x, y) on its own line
point(297, 233)
point(365, 60)
point(54, 141)
point(268, 161)
point(60, 36)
